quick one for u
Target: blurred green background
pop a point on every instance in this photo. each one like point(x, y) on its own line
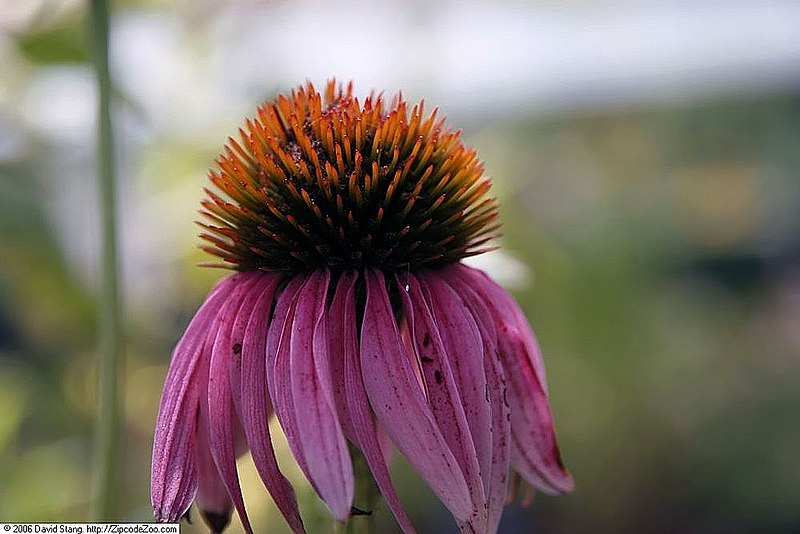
point(646, 156)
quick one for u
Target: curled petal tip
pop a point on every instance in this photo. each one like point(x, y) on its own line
point(565, 484)
point(358, 511)
point(216, 521)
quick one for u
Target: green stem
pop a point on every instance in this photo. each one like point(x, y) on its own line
point(109, 323)
point(367, 498)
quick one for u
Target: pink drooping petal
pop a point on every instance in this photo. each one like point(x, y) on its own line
point(212, 497)
point(400, 405)
point(173, 475)
point(384, 441)
point(497, 487)
point(351, 397)
point(509, 312)
point(447, 402)
point(464, 345)
point(278, 365)
point(328, 465)
point(255, 407)
point(220, 401)
point(240, 321)
point(337, 338)
point(534, 449)
point(501, 437)
point(411, 353)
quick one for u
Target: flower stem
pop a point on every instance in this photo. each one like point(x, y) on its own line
point(109, 323)
point(367, 498)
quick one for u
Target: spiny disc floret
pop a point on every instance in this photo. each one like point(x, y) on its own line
point(322, 181)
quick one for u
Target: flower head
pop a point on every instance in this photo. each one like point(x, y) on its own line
point(352, 319)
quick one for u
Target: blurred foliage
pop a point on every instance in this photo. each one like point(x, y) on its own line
point(666, 295)
point(59, 43)
point(666, 300)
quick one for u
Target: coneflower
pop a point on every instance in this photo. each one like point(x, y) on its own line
point(350, 316)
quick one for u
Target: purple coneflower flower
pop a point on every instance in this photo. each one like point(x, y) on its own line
point(351, 318)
